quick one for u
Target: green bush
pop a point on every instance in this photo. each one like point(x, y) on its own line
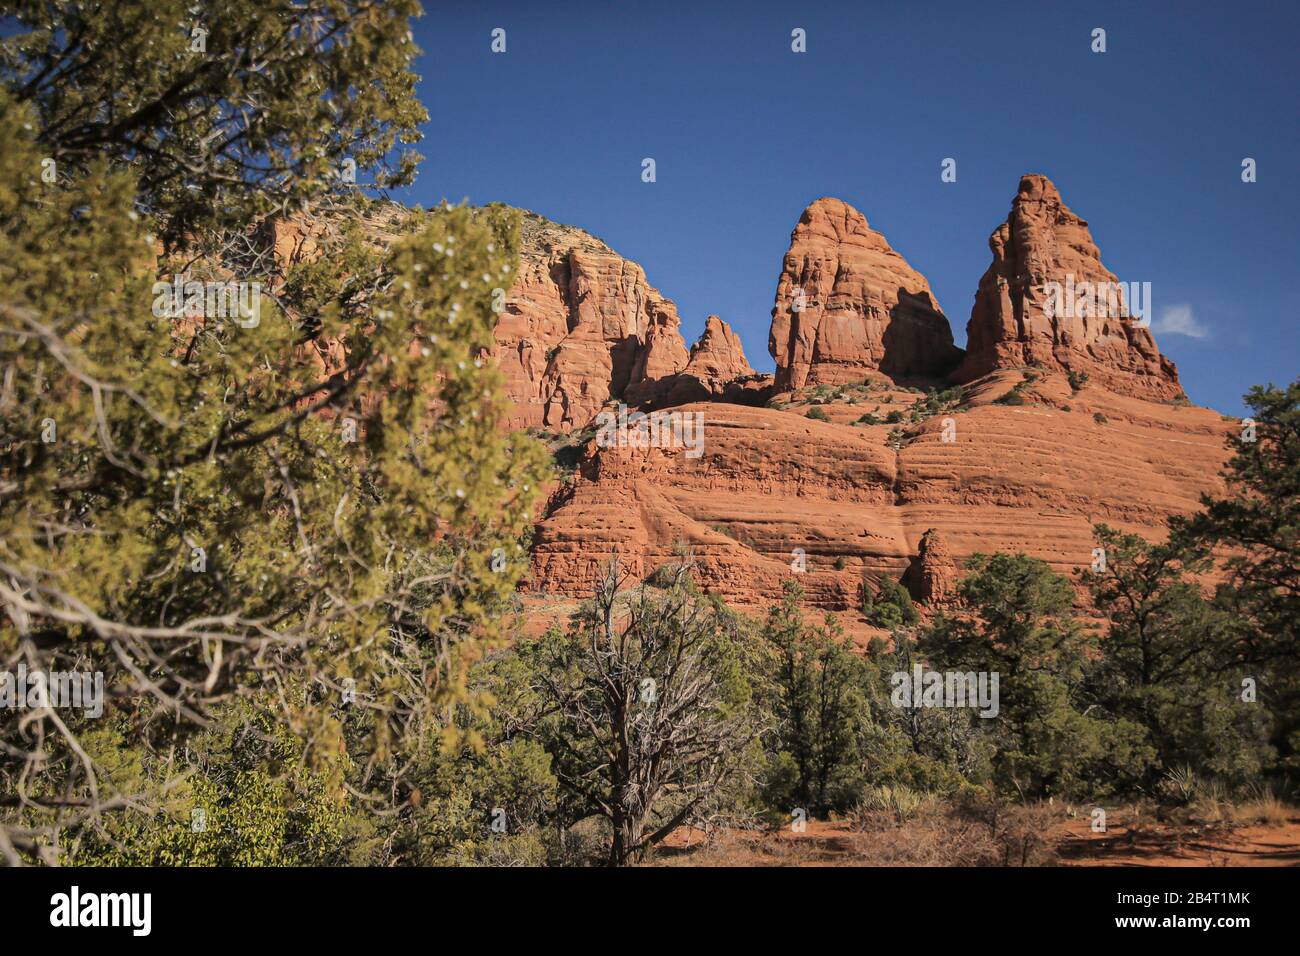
point(890, 606)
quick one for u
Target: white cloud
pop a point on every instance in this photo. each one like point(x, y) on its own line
point(1179, 320)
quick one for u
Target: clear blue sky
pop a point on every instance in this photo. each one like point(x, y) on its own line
point(1145, 141)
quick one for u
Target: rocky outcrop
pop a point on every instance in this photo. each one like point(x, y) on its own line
point(1027, 311)
point(777, 495)
point(882, 481)
point(580, 326)
point(932, 576)
point(717, 370)
point(718, 357)
point(847, 305)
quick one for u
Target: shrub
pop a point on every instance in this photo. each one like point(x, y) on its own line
point(890, 607)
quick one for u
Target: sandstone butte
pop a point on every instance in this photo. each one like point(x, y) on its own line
point(1037, 452)
point(849, 495)
point(847, 304)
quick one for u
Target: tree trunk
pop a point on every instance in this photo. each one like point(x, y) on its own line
point(627, 840)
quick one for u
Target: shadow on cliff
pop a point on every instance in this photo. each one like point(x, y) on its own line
point(918, 346)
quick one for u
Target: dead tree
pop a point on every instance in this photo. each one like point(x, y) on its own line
point(650, 717)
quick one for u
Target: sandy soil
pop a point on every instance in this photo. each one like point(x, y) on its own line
point(1167, 845)
point(1070, 843)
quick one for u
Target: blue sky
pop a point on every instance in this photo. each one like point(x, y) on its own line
point(1145, 141)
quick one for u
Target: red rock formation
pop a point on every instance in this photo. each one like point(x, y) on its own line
point(836, 499)
point(772, 483)
point(581, 324)
point(718, 356)
point(932, 578)
point(717, 371)
point(847, 304)
point(1016, 321)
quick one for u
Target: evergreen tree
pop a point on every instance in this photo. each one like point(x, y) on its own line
point(183, 506)
point(1255, 532)
point(820, 706)
point(1020, 625)
point(1163, 658)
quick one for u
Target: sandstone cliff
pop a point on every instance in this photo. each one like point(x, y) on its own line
point(581, 324)
point(716, 371)
point(1017, 321)
point(847, 304)
point(856, 500)
point(854, 474)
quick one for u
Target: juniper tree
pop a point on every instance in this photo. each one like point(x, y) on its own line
point(1166, 660)
point(1018, 621)
point(225, 111)
point(819, 702)
point(182, 506)
point(1256, 533)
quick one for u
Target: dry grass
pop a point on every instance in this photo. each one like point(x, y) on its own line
point(898, 827)
point(894, 828)
point(1264, 811)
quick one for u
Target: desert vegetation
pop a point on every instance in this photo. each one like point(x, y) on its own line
point(291, 542)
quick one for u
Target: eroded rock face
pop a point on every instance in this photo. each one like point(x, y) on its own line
point(581, 324)
point(716, 371)
point(718, 356)
point(773, 486)
point(1017, 319)
point(847, 304)
point(900, 492)
point(932, 577)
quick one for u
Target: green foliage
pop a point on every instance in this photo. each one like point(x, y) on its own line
point(1077, 380)
point(1167, 663)
point(821, 710)
point(937, 403)
point(260, 112)
point(818, 414)
point(1257, 528)
point(490, 802)
point(179, 506)
point(1021, 627)
point(246, 799)
point(1100, 418)
point(890, 607)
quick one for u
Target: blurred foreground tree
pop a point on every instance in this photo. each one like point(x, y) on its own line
point(306, 502)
